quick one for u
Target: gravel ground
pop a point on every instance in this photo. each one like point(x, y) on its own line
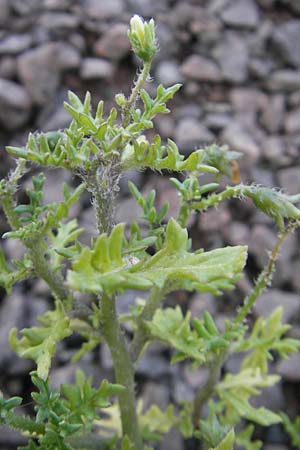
point(239, 62)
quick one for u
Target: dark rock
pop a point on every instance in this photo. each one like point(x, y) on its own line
point(196, 67)
point(42, 61)
point(190, 133)
point(114, 44)
point(15, 43)
point(289, 179)
point(259, 68)
point(241, 13)
point(286, 41)
point(284, 80)
point(8, 67)
point(173, 439)
point(15, 105)
point(239, 139)
point(270, 300)
point(167, 73)
point(93, 68)
point(232, 56)
point(10, 438)
point(293, 5)
point(102, 10)
point(292, 121)
point(289, 368)
point(130, 175)
point(153, 366)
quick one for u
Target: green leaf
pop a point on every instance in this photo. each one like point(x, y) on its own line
point(159, 421)
point(243, 438)
point(227, 443)
point(292, 428)
point(39, 343)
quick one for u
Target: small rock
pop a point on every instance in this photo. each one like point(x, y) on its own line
point(132, 175)
point(59, 20)
point(274, 150)
point(272, 113)
point(25, 7)
point(58, 120)
point(198, 68)
point(173, 439)
point(241, 13)
point(155, 394)
point(202, 301)
point(15, 43)
point(232, 56)
point(289, 368)
point(262, 240)
point(8, 67)
point(58, 4)
point(114, 44)
point(190, 133)
point(285, 39)
point(217, 121)
point(292, 122)
point(284, 80)
point(15, 105)
point(289, 179)
point(102, 10)
point(4, 11)
point(259, 68)
point(93, 68)
point(128, 210)
point(153, 366)
point(146, 8)
point(68, 57)
point(42, 61)
point(168, 73)
point(270, 300)
point(239, 139)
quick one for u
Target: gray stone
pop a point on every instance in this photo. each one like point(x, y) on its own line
point(15, 43)
point(114, 44)
point(155, 394)
point(59, 20)
point(199, 68)
point(241, 13)
point(102, 10)
point(289, 368)
point(8, 67)
point(4, 11)
point(15, 105)
point(146, 8)
point(289, 179)
point(284, 80)
point(58, 4)
point(190, 133)
point(217, 121)
point(172, 440)
point(239, 139)
point(167, 73)
point(286, 41)
point(153, 366)
point(58, 120)
point(68, 56)
point(39, 72)
point(259, 68)
point(93, 68)
point(202, 301)
point(292, 121)
point(274, 150)
point(262, 240)
point(272, 113)
point(232, 56)
point(24, 7)
point(270, 300)
point(133, 175)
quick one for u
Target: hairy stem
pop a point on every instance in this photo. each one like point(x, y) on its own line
point(135, 92)
point(124, 370)
point(214, 199)
point(89, 442)
point(265, 276)
point(23, 423)
point(141, 336)
point(204, 393)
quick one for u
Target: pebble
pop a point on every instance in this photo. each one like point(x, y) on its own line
point(68, 57)
point(284, 80)
point(114, 43)
point(168, 73)
point(94, 68)
point(15, 105)
point(232, 56)
point(42, 61)
point(15, 43)
point(273, 298)
point(4, 11)
point(241, 13)
point(102, 10)
point(289, 368)
point(190, 133)
point(272, 113)
point(199, 68)
point(292, 122)
point(59, 21)
point(239, 139)
point(289, 179)
point(285, 39)
point(25, 7)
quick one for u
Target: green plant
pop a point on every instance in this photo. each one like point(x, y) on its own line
point(99, 149)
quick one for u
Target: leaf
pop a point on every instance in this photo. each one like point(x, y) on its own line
point(159, 421)
point(169, 325)
point(243, 438)
point(39, 343)
point(227, 443)
point(292, 428)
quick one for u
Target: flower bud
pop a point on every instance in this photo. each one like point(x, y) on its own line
point(142, 38)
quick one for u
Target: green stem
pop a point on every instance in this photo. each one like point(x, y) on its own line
point(135, 92)
point(141, 336)
point(264, 278)
point(214, 199)
point(89, 442)
point(23, 423)
point(124, 370)
point(204, 393)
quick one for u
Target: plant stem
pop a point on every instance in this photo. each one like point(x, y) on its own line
point(214, 199)
point(135, 92)
point(89, 442)
point(124, 370)
point(141, 335)
point(204, 393)
point(265, 276)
